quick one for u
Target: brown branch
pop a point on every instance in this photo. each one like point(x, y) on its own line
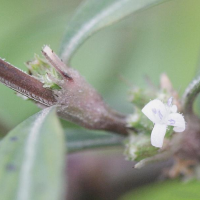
point(25, 84)
point(80, 101)
point(77, 101)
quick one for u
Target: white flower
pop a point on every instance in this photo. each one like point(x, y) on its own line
point(163, 115)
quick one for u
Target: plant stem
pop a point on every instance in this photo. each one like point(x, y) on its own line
point(85, 108)
point(25, 84)
point(190, 95)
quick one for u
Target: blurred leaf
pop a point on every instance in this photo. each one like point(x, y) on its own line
point(93, 15)
point(80, 139)
point(32, 159)
point(173, 190)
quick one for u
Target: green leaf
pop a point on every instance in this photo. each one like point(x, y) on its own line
point(93, 15)
point(32, 158)
point(80, 139)
point(173, 190)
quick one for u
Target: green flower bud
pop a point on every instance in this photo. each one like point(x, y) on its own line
point(138, 147)
point(139, 97)
point(46, 74)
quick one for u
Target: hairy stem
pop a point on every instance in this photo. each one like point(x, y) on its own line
point(77, 101)
point(80, 102)
point(190, 95)
point(25, 84)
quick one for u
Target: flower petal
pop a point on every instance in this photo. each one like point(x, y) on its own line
point(176, 120)
point(158, 134)
point(169, 102)
point(155, 110)
point(174, 109)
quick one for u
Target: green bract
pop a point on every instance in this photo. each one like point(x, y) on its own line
point(45, 73)
point(137, 145)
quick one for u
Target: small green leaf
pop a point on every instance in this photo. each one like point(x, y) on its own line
point(93, 15)
point(45, 73)
point(173, 190)
point(32, 158)
point(145, 152)
point(80, 139)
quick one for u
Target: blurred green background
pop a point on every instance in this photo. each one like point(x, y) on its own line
point(165, 38)
point(172, 190)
